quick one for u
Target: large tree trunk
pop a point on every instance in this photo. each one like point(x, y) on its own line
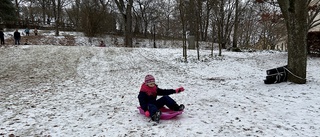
point(236, 23)
point(221, 26)
point(296, 14)
point(57, 8)
point(127, 16)
point(207, 18)
point(43, 12)
point(128, 31)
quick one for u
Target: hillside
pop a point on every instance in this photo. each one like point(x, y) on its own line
point(91, 91)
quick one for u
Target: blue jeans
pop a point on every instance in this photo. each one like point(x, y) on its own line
point(163, 101)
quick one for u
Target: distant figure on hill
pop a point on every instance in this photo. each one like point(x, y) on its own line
point(2, 37)
point(17, 37)
point(35, 31)
point(27, 31)
point(48, 21)
point(102, 44)
point(26, 43)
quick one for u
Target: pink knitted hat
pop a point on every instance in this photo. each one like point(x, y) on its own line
point(149, 79)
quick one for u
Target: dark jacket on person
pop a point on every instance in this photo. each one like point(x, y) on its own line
point(145, 97)
point(1, 34)
point(16, 35)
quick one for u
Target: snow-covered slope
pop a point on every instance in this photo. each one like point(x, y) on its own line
point(91, 91)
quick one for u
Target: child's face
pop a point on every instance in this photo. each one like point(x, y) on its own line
point(151, 84)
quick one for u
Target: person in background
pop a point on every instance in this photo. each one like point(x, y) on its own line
point(48, 21)
point(1, 37)
point(35, 31)
point(102, 44)
point(17, 37)
point(27, 31)
point(26, 43)
point(148, 98)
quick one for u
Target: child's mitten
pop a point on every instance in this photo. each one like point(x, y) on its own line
point(180, 89)
point(147, 113)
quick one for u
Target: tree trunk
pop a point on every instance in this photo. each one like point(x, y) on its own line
point(43, 12)
point(236, 23)
point(191, 17)
point(182, 10)
point(296, 14)
point(221, 26)
point(127, 16)
point(17, 8)
point(58, 19)
point(128, 31)
point(220, 30)
point(207, 18)
point(57, 8)
point(198, 25)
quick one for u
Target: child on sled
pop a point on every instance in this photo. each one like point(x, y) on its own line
point(149, 102)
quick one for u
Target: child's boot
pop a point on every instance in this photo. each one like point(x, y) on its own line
point(179, 108)
point(156, 116)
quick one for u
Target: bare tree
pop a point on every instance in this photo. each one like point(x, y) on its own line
point(182, 11)
point(250, 24)
point(74, 14)
point(206, 20)
point(270, 24)
point(145, 11)
point(46, 10)
point(198, 25)
point(314, 10)
point(57, 11)
point(17, 3)
point(236, 23)
point(222, 12)
point(166, 12)
point(101, 23)
point(247, 17)
point(125, 8)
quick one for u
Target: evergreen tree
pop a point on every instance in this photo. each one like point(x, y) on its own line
point(7, 10)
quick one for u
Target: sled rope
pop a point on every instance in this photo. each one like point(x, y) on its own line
point(293, 74)
point(278, 77)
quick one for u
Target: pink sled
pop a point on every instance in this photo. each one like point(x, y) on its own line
point(166, 113)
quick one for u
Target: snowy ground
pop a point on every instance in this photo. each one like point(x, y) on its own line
point(90, 91)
